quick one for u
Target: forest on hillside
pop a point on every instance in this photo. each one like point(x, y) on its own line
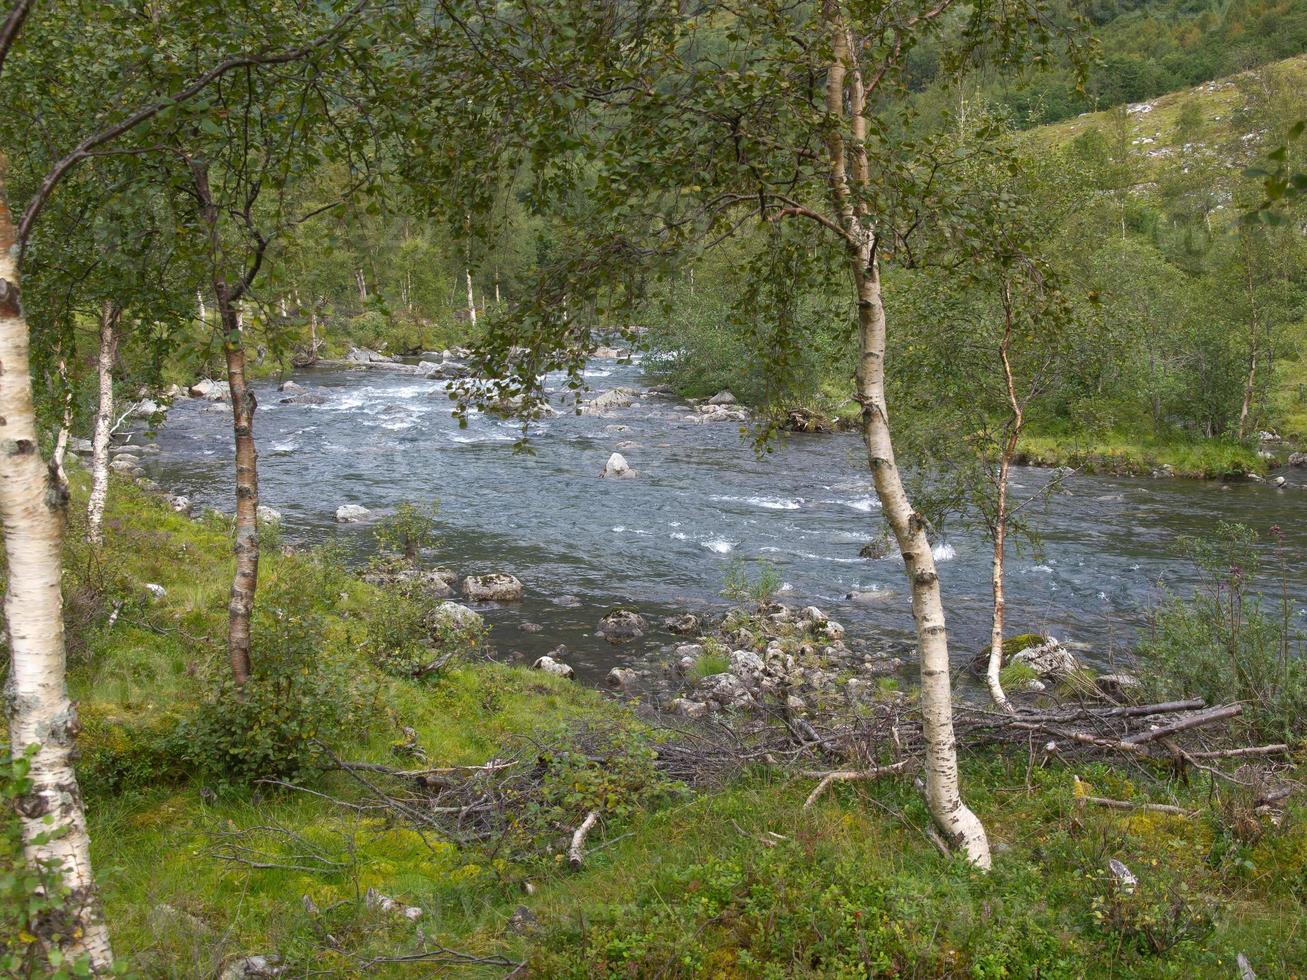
point(590, 488)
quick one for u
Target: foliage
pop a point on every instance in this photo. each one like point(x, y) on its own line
point(1225, 644)
point(408, 633)
point(409, 530)
point(760, 585)
point(709, 663)
point(300, 697)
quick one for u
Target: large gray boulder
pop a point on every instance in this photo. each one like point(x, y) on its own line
point(722, 398)
point(493, 587)
point(351, 513)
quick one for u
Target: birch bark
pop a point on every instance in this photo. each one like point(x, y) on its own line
point(40, 712)
point(103, 424)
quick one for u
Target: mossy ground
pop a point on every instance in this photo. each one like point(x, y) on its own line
point(736, 882)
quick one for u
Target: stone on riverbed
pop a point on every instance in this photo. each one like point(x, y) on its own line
point(684, 625)
point(549, 665)
point(182, 505)
point(609, 401)
point(290, 386)
point(269, 515)
point(617, 466)
point(351, 513)
point(209, 390)
point(722, 398)
point(1298, 459)
point(493, 587)
point(621, 625)
point(623, 678)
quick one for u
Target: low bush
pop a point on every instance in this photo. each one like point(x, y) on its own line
point(1226, 643)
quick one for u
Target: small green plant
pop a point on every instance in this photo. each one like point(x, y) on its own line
point(761, 585)
point(408, 530)
point(708, 663)
point(1016, 677)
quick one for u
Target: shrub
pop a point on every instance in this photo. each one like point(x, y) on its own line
point(708, 663)
point(1224, 644)
point(301, 693)
point(407, 531)
point(760, 586)
point(409, 634)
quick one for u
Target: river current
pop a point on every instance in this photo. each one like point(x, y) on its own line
point(703, 499)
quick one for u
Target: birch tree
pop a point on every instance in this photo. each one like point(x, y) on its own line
point(736, 116)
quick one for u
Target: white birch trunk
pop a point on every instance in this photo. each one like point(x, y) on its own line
point(943, 789)
point(471, 301)
point(65, 429)
point(103, 425)
point(40, 712)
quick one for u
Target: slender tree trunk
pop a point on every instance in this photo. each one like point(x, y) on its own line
point(471, 301)
point(943, 792)
point(1250, 385)
point(1008, 451)
point(362, 284)
point(65, 429)
point(1000, 603)
point(103, 423)
point(497, 300)
point(40, 712)
point(243, 405)
point(313, 332)
point(199, 306)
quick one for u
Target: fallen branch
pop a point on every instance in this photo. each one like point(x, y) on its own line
point(1193, 721)
point(1127, 805)
point(1237, 753)
point(848, 775)
point(576, 853)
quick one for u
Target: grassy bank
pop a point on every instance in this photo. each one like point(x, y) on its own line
point(737, 880)
point(1124, 454)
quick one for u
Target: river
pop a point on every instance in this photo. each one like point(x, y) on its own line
point(703, 499)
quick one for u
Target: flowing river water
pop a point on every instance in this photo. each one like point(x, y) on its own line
point(702, 500)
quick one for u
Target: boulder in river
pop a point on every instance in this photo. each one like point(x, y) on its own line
point(621, 625)
point(609, 401)
point(145, 409)
point(290, 386)
point(209, 390)
point(351, 513)
point(623, 678)
point(1298, 459)
point(684, 625)
point(722, 398)
point(617, 466)
point(182, 505)
point(269, 515)
point(125, 464)
point(363, 355)
point(493, 587)
point(549, 665)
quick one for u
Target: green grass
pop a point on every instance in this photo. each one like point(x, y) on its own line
point(740, 881)
point(1137, 454)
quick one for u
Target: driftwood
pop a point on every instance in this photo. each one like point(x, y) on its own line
point(849, 775)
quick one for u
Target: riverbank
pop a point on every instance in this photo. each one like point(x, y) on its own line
point(736, 878)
